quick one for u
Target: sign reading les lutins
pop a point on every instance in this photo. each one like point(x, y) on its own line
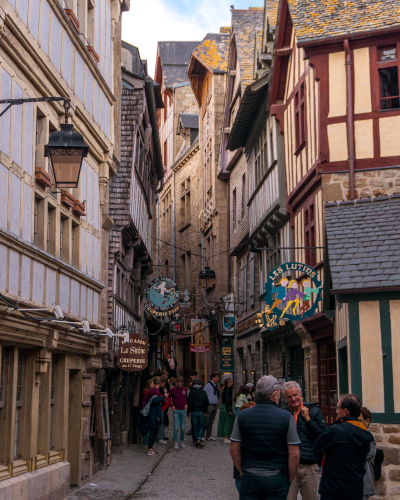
point(132, 355)
point(290, 299)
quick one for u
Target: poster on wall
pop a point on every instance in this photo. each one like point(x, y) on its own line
point(199, 329)
point(229, 301)
point(288, 299)
point(227, 358)
point(133, 353)
point(229, 323)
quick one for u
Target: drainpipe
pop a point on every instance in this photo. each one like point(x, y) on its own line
point(350, 119)
point(173, 189)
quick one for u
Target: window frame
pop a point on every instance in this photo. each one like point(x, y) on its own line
point(375, 65)
point(382, 65)
point(300, 118)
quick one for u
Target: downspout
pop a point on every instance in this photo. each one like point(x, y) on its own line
point(350, 119)
point(173, 189)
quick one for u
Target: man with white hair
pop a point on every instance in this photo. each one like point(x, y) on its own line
point(265, 445)
point(310, 425)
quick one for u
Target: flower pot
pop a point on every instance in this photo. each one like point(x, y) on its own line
point(93, 53)
point(79, 208)
point(73, 19)
point(67, 199)
point(42, 177)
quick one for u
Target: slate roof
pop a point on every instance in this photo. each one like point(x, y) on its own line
point(189, 120)
point(246, 24)
point(213, 52)
point(175, 57)
point(364, 243)
point(317, 19)
point(271, 7)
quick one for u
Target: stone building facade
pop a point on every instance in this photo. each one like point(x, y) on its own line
point(54, 246)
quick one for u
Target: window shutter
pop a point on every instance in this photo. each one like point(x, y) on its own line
point(252, 280)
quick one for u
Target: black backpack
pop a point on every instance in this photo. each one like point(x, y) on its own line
point(378, 464)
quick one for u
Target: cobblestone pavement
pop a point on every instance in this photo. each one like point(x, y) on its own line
point(182, 474)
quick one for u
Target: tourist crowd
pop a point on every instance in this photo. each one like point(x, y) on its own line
point(277, 451)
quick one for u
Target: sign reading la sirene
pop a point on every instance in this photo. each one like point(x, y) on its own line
point(288, 299)
point(162, 296)
point(133, 353)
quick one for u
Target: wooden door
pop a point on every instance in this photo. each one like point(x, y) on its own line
point(327, 379)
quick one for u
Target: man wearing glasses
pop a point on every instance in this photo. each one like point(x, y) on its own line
point(345, 446)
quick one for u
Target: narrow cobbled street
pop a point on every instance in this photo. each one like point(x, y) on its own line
point(181, 474)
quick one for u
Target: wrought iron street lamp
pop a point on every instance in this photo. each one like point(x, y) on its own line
point(65, 149)
point(207, 278)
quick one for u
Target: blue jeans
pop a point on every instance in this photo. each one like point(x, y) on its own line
point(255, 487)
point(146, 439)
point(198, 418)
point(179, 418)
point(238, 482)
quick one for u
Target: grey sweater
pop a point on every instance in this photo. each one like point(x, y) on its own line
point(369, 471)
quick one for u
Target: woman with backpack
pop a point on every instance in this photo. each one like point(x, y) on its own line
point(151, 420)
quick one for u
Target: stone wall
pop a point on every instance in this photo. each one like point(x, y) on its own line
point(368, 183)
point(388, 439)
point(184, 102)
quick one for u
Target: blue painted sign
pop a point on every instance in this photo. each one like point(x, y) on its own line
point(288, 299)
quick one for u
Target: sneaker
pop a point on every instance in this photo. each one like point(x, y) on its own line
point(202, 439)
point(152, 452)
point(211, 439)
point(182, 445)
point(161, 441)
point(199, 444)
point(227, 441)
point(176, 447)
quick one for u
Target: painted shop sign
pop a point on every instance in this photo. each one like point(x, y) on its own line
point(133, 353)
point(198, 328)
point(229, 322)
point(162, 296)
point(244, 325)
point(227, 358)
point(287, 299)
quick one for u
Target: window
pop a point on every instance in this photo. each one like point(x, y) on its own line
point(234, 208)
point(19, 395)
point(38, 223)
point(52, 396)
point(51, 230)
point(185, 211)
point(186, 268)
point(388, 78)
point(309, 223)
point(243, 195)
point(300, 118)
point(40, 140)
point(2, 379)
point(261, 157)
point(64, 238)
point(75, 233)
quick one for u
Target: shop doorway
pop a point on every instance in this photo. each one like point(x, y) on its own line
point(327, 378)
point(295, 369)
point(74, 426)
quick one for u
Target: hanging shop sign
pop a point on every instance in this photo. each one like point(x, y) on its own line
point(185, 303)
point(229, 323)
point(288, 299)
point(162, 296)
point(229, 301)
point(133, 353)
point(199, 330)
point(227, 358)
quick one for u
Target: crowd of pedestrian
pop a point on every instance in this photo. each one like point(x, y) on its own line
point(277, 451)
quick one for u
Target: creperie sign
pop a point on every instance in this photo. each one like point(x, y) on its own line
point(133, 354)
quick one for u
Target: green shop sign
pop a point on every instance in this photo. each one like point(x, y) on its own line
point(227, 358)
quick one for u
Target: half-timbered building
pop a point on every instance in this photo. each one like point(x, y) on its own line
point(132, 249)
point(334, 94)
point(54, 245)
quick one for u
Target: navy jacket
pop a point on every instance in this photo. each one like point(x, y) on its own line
point(309, 431)
point(264, 430)
point(147, 424)
point(197, 400)
point(346, 446)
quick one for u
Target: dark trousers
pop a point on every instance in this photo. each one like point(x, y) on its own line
point(197, 425)
point(253, 487)
point(208, 424)
point(152, 437)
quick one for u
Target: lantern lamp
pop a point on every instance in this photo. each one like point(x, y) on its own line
point(66, 150)
point(207, 278)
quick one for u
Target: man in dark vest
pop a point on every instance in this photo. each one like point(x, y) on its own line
point(265, 445)
point(310, 425)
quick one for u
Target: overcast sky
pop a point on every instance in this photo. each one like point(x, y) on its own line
point(150, 21)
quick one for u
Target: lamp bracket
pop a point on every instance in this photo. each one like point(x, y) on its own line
point(13, 102)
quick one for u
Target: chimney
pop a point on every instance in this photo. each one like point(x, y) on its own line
point(225, 29)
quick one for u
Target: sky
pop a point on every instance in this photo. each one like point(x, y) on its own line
point(151, 21)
